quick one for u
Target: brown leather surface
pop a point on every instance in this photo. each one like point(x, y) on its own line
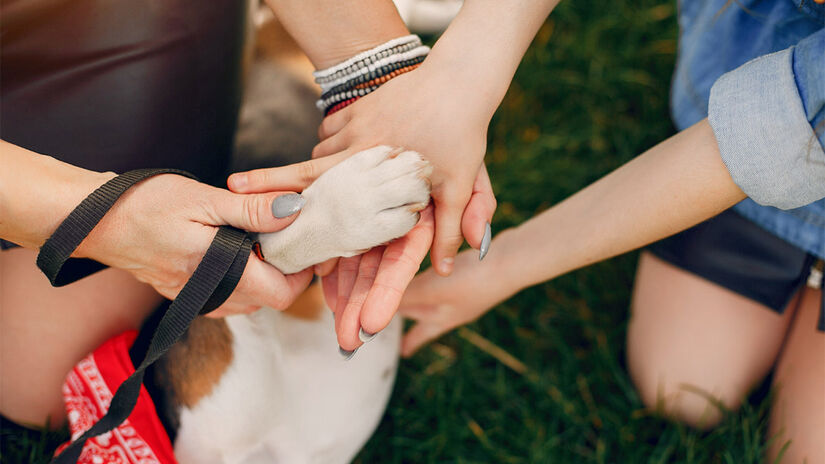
point(123, 84)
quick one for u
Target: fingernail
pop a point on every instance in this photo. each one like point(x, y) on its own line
point(447, 265)
point(485, 241)
point(238, 180)
point(365, 336)
point(287, 205)
point(347, 354)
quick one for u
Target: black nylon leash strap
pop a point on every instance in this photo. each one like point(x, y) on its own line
point(213, 281)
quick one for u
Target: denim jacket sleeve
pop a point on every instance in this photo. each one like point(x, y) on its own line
point(768, 116)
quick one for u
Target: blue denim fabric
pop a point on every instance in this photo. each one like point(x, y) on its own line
point(718, 36)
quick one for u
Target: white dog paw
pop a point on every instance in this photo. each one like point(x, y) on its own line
point(365, 201)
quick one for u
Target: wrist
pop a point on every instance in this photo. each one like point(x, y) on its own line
point(457, 78)
point(68, 186)
point(37, 192)
point(499, 271)
point(361, 74)
point(518, 266)
point(331, 32)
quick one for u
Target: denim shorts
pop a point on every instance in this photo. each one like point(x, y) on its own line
point(731, 251)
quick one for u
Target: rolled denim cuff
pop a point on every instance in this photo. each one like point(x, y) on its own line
point(764, 136)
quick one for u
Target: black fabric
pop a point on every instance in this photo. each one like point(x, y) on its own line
point(212, 282)
point(167, 411)
point(117, 85)
point(733, 252)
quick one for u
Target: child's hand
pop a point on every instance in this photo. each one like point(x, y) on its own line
point(440, 304)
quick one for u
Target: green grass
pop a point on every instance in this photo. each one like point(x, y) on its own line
point(591, 93)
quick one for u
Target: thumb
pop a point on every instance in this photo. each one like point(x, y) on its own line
point(264, 212)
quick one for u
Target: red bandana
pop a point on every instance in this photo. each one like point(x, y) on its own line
point(88, 391)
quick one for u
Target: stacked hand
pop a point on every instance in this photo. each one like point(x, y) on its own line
point(365, 291)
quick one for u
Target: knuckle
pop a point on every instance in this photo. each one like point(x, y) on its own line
point(252, 206)
point(306, 171)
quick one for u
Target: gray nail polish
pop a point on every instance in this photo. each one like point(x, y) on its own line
point(287, 205)
point(347, 354)
point(485, 241)
point(365, 336)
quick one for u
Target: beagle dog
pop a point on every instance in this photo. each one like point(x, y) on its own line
point(272, 387)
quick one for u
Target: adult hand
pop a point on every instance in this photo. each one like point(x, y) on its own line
point(160, 229)
point(424, 110)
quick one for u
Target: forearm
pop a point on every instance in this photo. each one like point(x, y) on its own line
point(37, 192)
point(484, 45)
point(674, 185)
point(330, 31)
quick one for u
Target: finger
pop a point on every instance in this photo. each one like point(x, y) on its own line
point(400, 262)
point(333, 124)
point(350, 317)
point(329, 283)
point(448, 238)
point(252, 212)
point(419, 335)
point(347, 273)
point(479, 211)
point(334, 144)
point(261, 284)
point(326, 267)
point(295, 177)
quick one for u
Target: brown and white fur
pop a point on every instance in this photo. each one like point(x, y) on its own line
point(271, 387)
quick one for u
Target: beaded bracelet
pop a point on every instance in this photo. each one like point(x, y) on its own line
point(372, 75)
point(420, 51)
point(327, 103)
point(367, 61)
point(322, 74)
point(346, 82)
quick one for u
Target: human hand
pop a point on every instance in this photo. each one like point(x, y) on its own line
point(374, 310)
point(439, 304)
point(426, 111)
point(364, 291)
point(160, 229)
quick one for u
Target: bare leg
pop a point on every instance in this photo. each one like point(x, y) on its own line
point(798, 414)
point(44, 331)
point(691, 342)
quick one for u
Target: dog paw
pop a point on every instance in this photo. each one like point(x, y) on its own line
point(365, 201)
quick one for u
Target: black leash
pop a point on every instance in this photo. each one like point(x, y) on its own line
point(213, 281)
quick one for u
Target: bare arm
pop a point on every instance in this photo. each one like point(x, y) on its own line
point(37, 192)
point(330, 31)
point(674, 185)
point(158, 230)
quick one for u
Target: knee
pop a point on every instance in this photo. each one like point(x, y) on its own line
point(696, 400)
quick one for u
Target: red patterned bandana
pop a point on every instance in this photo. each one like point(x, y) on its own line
point(88, 391)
